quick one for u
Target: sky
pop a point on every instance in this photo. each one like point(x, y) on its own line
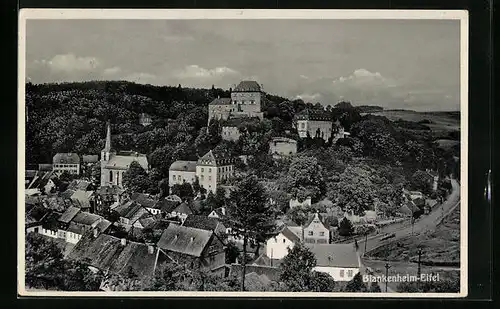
point(411, 64)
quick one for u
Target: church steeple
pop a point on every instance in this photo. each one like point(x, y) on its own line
point(107, 147)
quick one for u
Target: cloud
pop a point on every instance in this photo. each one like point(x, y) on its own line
point(67, 63)
point(195, 71)
point(363, 77)
point(308, 97)
point(111, 71)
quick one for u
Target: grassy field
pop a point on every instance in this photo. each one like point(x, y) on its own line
point(439, 245)
point(439, 121)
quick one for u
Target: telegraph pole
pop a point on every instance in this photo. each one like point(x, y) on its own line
point(418, 268)
point(387, 266)
point(366, 240)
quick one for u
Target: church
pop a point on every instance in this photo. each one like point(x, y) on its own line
point(114, 164)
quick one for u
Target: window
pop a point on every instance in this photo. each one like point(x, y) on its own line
point(284, 240)
point(110, 175)
point(202, 170)
point(209, 178)
point(310, 233)
point(321, 233)
point(349, 273)
point(302, 125)
point(118, 177)
point(275, 240)
point(202, 178)
point(209, 170)
point(342, 273)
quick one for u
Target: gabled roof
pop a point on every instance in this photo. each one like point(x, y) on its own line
point(109, 190)
point(214, 159)
point(312, 114)
point(183, 166)
point(90, 158)
point(124, 161)
point(143, 199)
point(128, 209)
point(69, 214)
point(291, 235)
point(283, 140)
point(183, 208)
point(247, 86)
point(166, 206)
point(86, 218)
point(82, 197)
point(108, 254)
point(334, 255)
point(221, 101)
point(185, 240)
point(35, 214)
point(66, 158)
point(318, 216)
point(201, 222)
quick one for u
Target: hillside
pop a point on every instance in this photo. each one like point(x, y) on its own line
point(437, 121)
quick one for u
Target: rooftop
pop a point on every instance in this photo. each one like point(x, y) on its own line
point(143, 199)
point(201, 222)
point(66, 158)
point(247, 86)
point(334, 255)
point(69, 214)
point(183, 166)
point(312, 114)
point(124, 161)
point(221, 101)
point(185, 240)
point(283, 140)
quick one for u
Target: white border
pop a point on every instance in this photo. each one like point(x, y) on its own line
point(244, 14)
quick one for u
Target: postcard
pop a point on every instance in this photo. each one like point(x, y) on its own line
point(290, 153)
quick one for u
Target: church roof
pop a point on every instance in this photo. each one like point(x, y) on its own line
point(313, 114)
point(123, 162)
point(247, 86)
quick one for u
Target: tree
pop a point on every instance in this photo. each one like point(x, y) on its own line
point(46, 268)
point(305, 178)
point(298, 215)
point(356, 284)
point(184, 190)
point(345, 227)
point(232, 252)
point(248, 214)
point(296, 272)
point(421, 181)
point(135, 178)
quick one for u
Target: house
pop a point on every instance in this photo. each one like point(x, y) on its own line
point(66, 162)
point(212, 168)
point(209, 170)
point(230, 132)
point(197, 248)
point(282, 146)
point(82, 223)
point(204, 223)
point(90, 159)
point(44, 182)
point(316, 230)
point(34, 217)
point(165, 206)
point(271, 272)
point(297, 203)
point(182, 211)
point(245, 101)
point(117, 256)
point(130, 212)
point(217, 213)
point(83, 198)
point(181, 172)
point(433, 178)
point(338, 260)
point(107, 196)
point(146, 201)
point(145, 119)
point(314, 123)
point(287, 236)
point(45, 167)
point(114, 164)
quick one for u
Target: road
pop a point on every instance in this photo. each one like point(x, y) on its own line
point(426, 222)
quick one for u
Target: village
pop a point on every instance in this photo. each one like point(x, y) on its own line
point(82, 202)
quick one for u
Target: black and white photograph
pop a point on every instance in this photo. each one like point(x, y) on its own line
point(242, 152)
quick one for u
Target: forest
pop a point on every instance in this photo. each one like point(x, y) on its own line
point(372, 164)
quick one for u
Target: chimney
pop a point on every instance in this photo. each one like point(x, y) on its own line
point(123, 242)
point(151, 249)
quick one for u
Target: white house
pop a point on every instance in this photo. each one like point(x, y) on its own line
point(217, 213)
point(277, 247)
point(338, 260)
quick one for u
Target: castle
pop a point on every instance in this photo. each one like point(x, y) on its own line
point(114, 164)
point(245, 101)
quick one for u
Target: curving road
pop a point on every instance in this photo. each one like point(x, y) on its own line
point(426, 222)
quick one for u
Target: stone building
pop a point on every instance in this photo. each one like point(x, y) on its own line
point(245, 101)
point(210, 170)
point(114, 164)
point(66, 162)
point(315, 123)
point(282, 146)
